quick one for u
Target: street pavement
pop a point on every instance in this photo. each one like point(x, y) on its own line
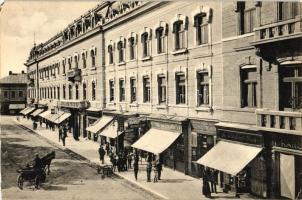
point(174, 185)
point(71, 177)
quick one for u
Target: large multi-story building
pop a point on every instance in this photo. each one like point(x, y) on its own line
point(185, 75)
point(13, 90)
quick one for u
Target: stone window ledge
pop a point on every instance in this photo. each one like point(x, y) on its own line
point(146, 58)
point(111, 104)
point(134, 104)
point(203, 109)
point(121, 63)
point(180, 51)
point(161, 106)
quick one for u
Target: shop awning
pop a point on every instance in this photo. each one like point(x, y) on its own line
point(53, 117)
point(16, 106)
point(44, 114)
point(101, 123)
point(111, 131)
point(38, 111)
point(156, 141)
point(93, 109)
point(229, 157)
point(26, 112)
point(62, 118)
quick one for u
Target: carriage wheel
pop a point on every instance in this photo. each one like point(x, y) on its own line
point(37, 181)
point(20, 181)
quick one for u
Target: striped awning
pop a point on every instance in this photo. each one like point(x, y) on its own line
point(28, 111)
point(100, 124)
point(44, 114)
point(21, 112)
point(38, 111)
point(62, 118)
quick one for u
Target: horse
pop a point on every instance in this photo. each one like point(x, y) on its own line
point(46, 160)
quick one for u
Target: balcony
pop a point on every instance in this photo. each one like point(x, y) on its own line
point(278, 31)
point(31, 82)
point(279, 121)
point(74, 74)
point(74, 104)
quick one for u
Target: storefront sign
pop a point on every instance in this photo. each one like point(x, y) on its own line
point(240, 136)
point(289, 142)
point(166, 126)
point(203, 127)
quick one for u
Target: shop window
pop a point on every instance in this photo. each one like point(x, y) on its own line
point(93, 87)
point(84, 91)
point(179, 35)
point(145, 44)
point(122, 89)
point(202, 88)
point(201, 26)
point(111, 90)
point(249, 87)
point(160, 40)
point(194, 146)
point(180, 89)
point(120, 48)
point(246, 18)
point(64, 92)
point(287, 10)
point(132, 48)
point(291, 87)
point(77, 92)
point(5, 94)
point(70, 91)
point(162, 87)
point(110, 54)
point(146, 89)
point(20, 94)
point(133, 90)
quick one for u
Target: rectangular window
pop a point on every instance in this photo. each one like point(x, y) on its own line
point(111, 90)
point(249, 87)
point(64, 67)
point(84, 60)
point(5, 94)
point(131, 48)
point(146, 89)
point(287, 10)
point(54, 93)
point(180, 89)
point(202, 88)
point(201, 25)
point(179, 35)
point(291, 87)
point(58, 91)
point(64, 92)
point(246, 18)
point(160, 37)
point(20, 94)
point(133, 90)
point(77, 92)
point(122, 89)
point(93, 85)
point(162, 89)
point(145, 44)
point(84, 91)
point(70, 91)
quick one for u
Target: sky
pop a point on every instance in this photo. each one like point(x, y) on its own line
point(21, 20)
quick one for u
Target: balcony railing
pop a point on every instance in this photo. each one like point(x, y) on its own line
point(278, 31)
point(279, 120)
point(74, 104)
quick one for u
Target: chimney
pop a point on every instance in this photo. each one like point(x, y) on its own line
point(22, 71)
point(10, 73)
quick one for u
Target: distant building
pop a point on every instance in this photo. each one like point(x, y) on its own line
point(13, 93)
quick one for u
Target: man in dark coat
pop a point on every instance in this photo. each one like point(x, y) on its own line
point(159, 168)
point(206, 186)
point(64, 135)
point(135, 166)
point(60, 133)
point(149, 169)
point(37, 164)
point(102, 154)
point(213, 180)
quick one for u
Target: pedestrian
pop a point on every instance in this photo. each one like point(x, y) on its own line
point(119, 162)
point(206, 186)
point(125, 167)
point(213, 180)
point(149, 169)
point(135, 166)
point(64, 135)
point(101, 153)
point(159, 168)
point(129, 159)
point(60, 133)
point(107, 148)
point(154, 166)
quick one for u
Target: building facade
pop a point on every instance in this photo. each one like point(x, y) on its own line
point(13, 90)
point(208, 71)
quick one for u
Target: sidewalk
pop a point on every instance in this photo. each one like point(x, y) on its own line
point(174, 185)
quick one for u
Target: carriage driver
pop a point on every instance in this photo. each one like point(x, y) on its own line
point(37, 163)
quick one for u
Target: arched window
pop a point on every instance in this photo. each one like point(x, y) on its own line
point(84, 59)
point(70, 91)
point(131, 48)
point(77, 92)
point(84, 91)
point(160, 38)
point(201, 25)
point(110, 54)
point(58, 91)
point(64, 92)
point(93, 86)
point(120, 48)
point(92, 54)
point(145, 44)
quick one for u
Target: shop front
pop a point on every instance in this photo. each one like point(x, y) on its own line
point(240, 156)
point(203, 138)
point(168, 139)
point(286, 178)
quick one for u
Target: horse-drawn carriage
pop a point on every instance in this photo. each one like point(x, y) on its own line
point(35, 175)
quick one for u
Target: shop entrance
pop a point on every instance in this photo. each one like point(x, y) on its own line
point(287, 176)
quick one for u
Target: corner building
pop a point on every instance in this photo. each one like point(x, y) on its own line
point(204, 82)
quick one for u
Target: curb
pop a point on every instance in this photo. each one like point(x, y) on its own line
point(91, 164)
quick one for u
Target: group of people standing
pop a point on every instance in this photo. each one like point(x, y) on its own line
point(126, 159)
point(210, 181)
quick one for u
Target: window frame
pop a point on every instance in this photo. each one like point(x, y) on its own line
point(248, 85)
point(162, 86)
point(181, 88)
point(146, 89)
point(133, 90)
point(122, 90)
point(202, 85)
